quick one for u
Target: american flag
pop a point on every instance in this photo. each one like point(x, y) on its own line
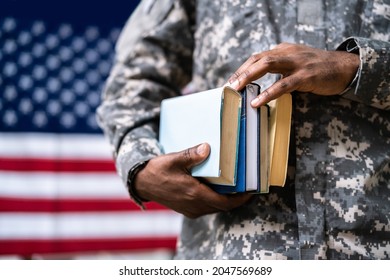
point(59, 192)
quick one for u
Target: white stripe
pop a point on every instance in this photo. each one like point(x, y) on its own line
point(40, 145)
point(64, 185)
point(80, 225)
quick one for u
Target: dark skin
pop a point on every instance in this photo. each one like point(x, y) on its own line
point(166, 179)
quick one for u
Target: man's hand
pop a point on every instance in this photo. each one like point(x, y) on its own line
point(167, 180)
point(303, 69)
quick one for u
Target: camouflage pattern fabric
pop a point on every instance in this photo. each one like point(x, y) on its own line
point(336, 203)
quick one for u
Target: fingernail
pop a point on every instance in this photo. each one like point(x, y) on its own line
point(256, 102)
point(233, 83)
point(201, 149)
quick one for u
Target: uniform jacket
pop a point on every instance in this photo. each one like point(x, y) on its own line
point(336, 203)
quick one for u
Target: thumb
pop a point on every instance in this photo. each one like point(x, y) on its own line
point(194, 155)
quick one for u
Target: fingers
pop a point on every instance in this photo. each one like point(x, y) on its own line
point(192, 156)
point(280, 87)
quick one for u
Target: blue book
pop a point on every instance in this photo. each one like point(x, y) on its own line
point(252, 169)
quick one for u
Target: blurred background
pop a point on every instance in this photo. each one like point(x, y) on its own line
point(60, 197)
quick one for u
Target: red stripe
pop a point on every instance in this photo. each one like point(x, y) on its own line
point(62, 205)
point(56, 165)
point(29, 247)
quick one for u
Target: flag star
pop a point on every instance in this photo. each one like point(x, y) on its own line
point(67, 97)
point(91, 56)
point(10, 118)
point(52, 41)
point(79, 65)
point(104, 46)
point(78, 44)
point(9, 24)
point(53, 62)
point(10, 93)
point(10, 69)
point(67, 120)
point(65, 31)
point(39, 119)
point(53, 85)
point(54, 107)
point(65, 53)
point(39, 72)
point(81, 109)
point(91, 121)
point(25, 106)
point(66, 74)
point(37, 28)
point(24, 38)
point(25, 59)
point(9, 47)
point(114, 34)
point(93, 99)
point(93, 77)
point(80, 87)
point(38, 50)
point(104, 68)
point(25, 82)
point(39, 95)
point(92, 33)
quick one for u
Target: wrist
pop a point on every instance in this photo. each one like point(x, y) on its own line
point(131, 183)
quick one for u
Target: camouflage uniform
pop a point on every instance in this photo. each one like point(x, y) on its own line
point(336, 204)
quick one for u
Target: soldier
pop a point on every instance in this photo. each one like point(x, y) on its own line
point(334, 58)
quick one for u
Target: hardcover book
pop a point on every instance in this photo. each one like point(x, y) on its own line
point(211, 116)
point(249, 146)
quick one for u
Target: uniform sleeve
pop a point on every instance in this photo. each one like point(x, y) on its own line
point(153, 61)
point(372, 83)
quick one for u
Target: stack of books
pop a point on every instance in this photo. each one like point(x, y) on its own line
point(249, 146)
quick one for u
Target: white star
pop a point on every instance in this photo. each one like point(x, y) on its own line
point(78, 44)
point(39, 72)
point(92, 33)
point(52, 41)
point(24, 38)
point(67, 120)
point(104, 46)
point(53, 85)
point(25, 106)
point(10, 118)
point(67, 97)
point(38, 50)
point(39, 95)
point(65, 53)
point(79, 65)
point(81, 109)
point(25, 82)
point(93, 99)
point(91, 121)
point(9, 24)
point(10, 93)
point(80, 87)
point(25, 59)
point(38, 28)
point(9, 46)
point(66, 74)
point(10, 69)
point(54, 107)
point(53, 62)
point(65, 31)
point(39, 119)
point(93, 77)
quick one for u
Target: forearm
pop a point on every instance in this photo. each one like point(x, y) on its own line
point(373, 82)
point(153, 62)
